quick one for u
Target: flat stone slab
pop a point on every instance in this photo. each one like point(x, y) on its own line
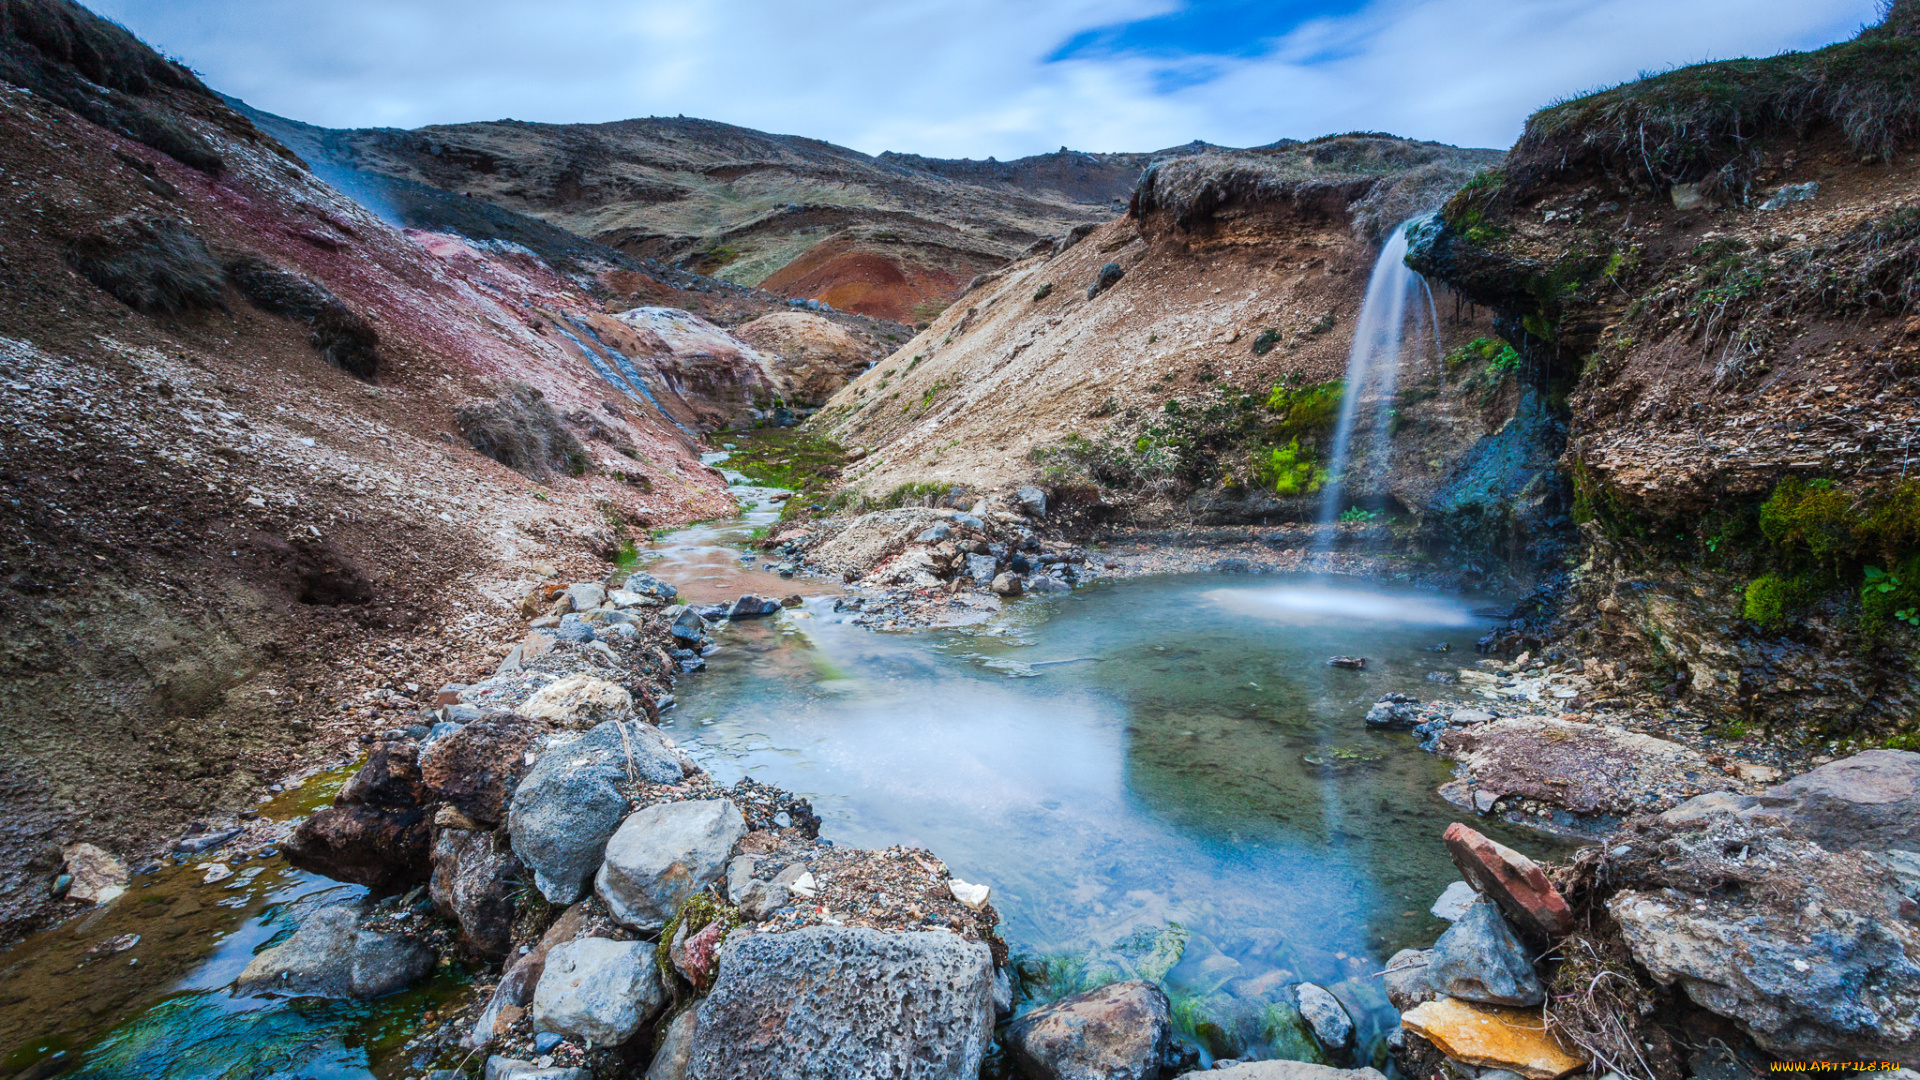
point(1493, 1037)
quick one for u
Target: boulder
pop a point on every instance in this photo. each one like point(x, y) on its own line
point(330, 956)
point(1008, 584)
point(506, 1068)
point(753, 607)
point(1108, 277)
point(1493, 1037)
point(1394, 712)
point(1868, 801)
point(579, 701)
point(663, 854)
point(688, 627)
point(477, 767)
point(1480, 959)
point(1326, 1016)
point(653, 586)
point(568, 804)
point(1031, 501)
point(474, 878)
point(980, 568)
point(98, 877)
point(1406, 978)
point(586, 596)
point(389, 778)
point(1117, 1032)
point(1047, 583)
point(573, 629)
point(1514, 882)
point(598, 991)
point(676, 1048)
point(519, 980)
point(849, 1003)
point(385, 850)
point(1283, 1070)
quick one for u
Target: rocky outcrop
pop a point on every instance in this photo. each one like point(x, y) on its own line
point(1116, 1032)
point(813, 357)
point(847, 1002)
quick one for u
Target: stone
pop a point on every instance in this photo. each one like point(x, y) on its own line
point(1702, 807)
point(1868, 801)
point(849, 1003)
point(330, 956)
point(1031, 501)
point(568, 804)
point(536, 644)
point(389, 778)
point(477, 768)
point(972, 897)
point(1326, 1016)
point(1514, 882)
point(1788, 194)
point(688, 627)
point(980, 568)
point(760, 899)
point(506, 1068)
point(676, 1049)
point(520, 978)
point(653, 586)
point(1453, 901)
point(1116, 1032)
point(1007, 584)
point(1047, 583)
point(385, 850)
point(598, 991)
point(1493, 1036)
point(1109, 275)
point(753, 607)
point(98, 877)
point(934, 535)
point(474, 878)
point(1406, 978)
point(1469, 717)
point(1282, 1070)
point(572, 628)
point(586, 596)
point(1394, 712)
point(694, 955)
point(1480, 959)
point(579, 701)
point(663, 854)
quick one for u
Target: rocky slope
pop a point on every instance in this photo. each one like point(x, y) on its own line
point(1169, 360)
point(1709, 278)
point(894, 237)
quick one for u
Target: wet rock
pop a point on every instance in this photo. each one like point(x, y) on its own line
point(1394, 712)
point(1326, 1016)
point(1116, 1032)
point(1406, 978)
point(206, 841)
point(1356, 663)
point(1031, 501)
point(1453, 901)
point(663, 854)
point(506, 1068)
point(1007, 584)
point(652, 586)
point(597, 991)
point(568, 804)
point(1512, 880)
point(330, 956)
point(474, 878)
point(847, 1002)
point(688, 627)
point(752, 607)
point(1047, 583)
point(579, 701)
point(1282, 1070)
point(385, 850)
point(676, 1049)
point(96, 876)
point(1480, 959)
point(1493, 1036)
point(477, 767)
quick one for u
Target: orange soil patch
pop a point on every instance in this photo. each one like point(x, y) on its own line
point(865, 282)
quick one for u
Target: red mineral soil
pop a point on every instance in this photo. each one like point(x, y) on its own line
point(839, 273)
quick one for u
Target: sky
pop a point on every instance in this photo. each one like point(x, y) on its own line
point(966, 78)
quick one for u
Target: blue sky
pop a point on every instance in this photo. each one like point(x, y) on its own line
point(965, 78)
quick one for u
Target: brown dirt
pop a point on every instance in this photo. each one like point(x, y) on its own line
point(886, 287)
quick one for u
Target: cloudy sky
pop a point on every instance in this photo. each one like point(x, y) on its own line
point(965, 78)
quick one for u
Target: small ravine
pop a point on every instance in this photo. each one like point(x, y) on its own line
point(1159, 778)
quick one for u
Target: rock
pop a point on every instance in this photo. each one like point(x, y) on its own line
point(652, 586)
point(663, 854)
point(1109, 275)
point(688, 627)
point(1406, 978)
point(385, 850)
point(1031, 501)
point(752, 607)
point(1702, 807)
point(330, 956)
point(568, 805)
point(1469, 717)
point(1492, 1036)
point(1282, 1070)
point(216, 872)
point(1007, 584)
point(474, 878)
point(597, 991)
point(579, 701)
point(849, 1003)
point(1485, 801)
point(506, 1068)
point(1512, 880)
point(1588, 769)
point(973, 897)
point(1047, 583)
point(1867, 801)
point(621, 599)
point(1790, 194)
point(1394, 712)
point(760, 899)
point(1480, 959)
point(981, 568)
point(793, 600)
point(694, 956)
point(1453, 901)
point(586, 596)
point(521, 978)
point(934, 535)
point(390, 777)
point(1355, 663)
point(676, 1049)
point(1326, 1016)
point(97, 877)
point(476, 768)
point(572, 628)
point(1116, 1032)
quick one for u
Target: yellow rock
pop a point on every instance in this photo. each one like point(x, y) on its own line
point(1492, 1036)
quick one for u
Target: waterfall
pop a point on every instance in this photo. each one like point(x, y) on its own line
point(1373, 366)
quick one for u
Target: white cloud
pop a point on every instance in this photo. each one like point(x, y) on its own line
point(951, 78)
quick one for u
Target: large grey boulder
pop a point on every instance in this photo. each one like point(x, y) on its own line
point(586, 595)
point(1868, 801)
point(1480, 958)
point(568, 804)
point(1116, 1032)
point(1031, 501)
point(1283, 1070)
point(598, 991)
point(847, 1003)
point(663, 854)
point(1326, 1016)
point(647, 583)
point(330, 956)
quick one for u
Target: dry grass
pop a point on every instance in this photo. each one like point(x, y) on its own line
point(346, 339)
point(154, 265)
point(521, 431)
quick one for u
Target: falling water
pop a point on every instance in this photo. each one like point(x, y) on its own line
point(1373, 367)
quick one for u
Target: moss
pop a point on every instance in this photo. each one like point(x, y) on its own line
point(789, 458)
point(1290, 470)
point(1772, 600)
point(695, 914)
point(1811, 515)
point(1043, 292)
point(1889, 598)
point(1303, 411)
